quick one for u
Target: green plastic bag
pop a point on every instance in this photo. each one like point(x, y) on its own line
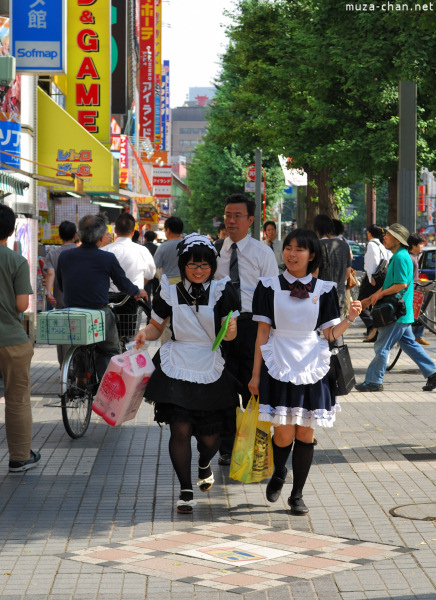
point(252, 456)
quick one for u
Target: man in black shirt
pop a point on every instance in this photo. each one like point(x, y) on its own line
point(84, 276)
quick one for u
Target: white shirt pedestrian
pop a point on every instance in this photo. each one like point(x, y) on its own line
point(137, 261)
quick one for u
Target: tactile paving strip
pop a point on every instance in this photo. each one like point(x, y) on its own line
point(238, 558)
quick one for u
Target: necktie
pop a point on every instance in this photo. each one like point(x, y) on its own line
point(234, 270)
point(300, 290)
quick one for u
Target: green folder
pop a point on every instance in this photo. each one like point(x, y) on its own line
point(222, 332)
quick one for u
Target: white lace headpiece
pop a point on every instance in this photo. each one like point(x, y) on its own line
point(195, 239)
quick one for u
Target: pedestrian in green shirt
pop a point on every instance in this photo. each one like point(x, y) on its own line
point(16, 351)
point(399, 279)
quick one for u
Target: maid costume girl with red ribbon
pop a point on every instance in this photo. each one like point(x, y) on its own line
point(191, 389)
point(292, 360)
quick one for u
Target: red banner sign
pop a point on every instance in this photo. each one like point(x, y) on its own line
point(147, 33)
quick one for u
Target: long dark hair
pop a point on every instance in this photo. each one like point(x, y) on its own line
point(306, 239)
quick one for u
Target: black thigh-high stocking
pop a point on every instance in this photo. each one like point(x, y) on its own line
point(281, 455)
point(301, 462)
point(207, 446)
point(181, 453)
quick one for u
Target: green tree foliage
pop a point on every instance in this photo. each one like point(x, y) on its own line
point(318, 82)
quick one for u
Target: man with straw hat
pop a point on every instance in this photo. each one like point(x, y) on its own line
point(399, 279)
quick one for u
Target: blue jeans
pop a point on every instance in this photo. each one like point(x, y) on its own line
point(387, 338)
point(418, 331)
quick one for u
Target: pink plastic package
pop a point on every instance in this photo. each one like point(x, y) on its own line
point(122, 388)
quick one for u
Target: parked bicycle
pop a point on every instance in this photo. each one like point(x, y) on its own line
point(79, 381)
point(424, 294)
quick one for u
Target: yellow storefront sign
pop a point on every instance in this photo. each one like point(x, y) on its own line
point(65, 145)
point(88, 66)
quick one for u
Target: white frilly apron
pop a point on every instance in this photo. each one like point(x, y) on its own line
point(294, 352)
point(189, 357)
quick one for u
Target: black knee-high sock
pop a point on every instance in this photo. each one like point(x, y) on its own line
point(281, 455)
point(301, 462)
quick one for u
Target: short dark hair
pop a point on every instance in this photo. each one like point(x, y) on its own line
point(241, 199)
point(323, 225)
point(67, 231)
point(415, 238)
point(125, 224)
point(338, 226)
point(265, 225)
point(198, 253)
point(92, 228)
point(221, 227)
point(376, 231)
point(306, 238)
point(150, 236)
point(7, 221)
point(174, 224)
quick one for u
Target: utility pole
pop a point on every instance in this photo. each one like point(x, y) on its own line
point(258, 194)
point(406, 195)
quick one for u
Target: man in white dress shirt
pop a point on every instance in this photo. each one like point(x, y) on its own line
point(254, 260)
point(270, 230)
point(137, 261)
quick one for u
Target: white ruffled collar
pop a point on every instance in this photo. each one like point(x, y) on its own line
point(290, 278)
point(188, 285)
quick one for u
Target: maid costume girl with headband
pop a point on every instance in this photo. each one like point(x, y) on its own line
point(191, 389)
point(291, 359)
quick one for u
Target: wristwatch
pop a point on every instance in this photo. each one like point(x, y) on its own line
point(348, 319)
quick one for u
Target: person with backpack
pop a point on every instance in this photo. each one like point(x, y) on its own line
point(374, 255)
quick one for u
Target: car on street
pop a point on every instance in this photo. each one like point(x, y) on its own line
point(427, 264)
point(358, 251)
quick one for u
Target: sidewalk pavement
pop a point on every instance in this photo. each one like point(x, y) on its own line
point(96, 520)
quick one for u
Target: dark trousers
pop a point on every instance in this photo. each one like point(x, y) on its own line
point(239, 357)
point(110, 347)
point(366, 290)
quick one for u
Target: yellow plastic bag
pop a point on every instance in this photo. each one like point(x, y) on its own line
point(252, 456)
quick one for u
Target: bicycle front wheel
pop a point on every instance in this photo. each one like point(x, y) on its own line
point(79, 388)
point(392, 364)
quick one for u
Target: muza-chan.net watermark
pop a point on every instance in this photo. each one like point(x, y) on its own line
point(389, 7)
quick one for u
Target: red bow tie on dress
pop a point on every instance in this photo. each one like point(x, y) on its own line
point(300, 290)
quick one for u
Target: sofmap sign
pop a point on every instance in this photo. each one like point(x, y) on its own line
point(38, 35)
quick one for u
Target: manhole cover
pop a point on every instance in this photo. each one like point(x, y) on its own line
point(416, 512)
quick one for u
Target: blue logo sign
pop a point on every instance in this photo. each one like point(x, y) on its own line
point(10, 134)
point(38, 35)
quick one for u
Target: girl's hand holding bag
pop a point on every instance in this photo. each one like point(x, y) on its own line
point(252, 456)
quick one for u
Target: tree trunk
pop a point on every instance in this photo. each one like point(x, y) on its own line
point(392, 198)
point(371, 204)
point(320, 197)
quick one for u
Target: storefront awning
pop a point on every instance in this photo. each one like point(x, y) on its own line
point(12, 185)
point(68, 147)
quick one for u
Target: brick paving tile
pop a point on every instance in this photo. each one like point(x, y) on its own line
point(116, 485)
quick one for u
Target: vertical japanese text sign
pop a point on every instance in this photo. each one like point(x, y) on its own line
point(146, 70)
point(158, 77)
point(10, 109)
point(166, 107)
point(38, 35)
point(89, 66)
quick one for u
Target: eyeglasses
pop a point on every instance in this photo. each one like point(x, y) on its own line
point(237, 216)
point(203, 267)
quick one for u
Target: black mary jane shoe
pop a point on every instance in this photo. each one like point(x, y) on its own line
point(274, 487)
point(297, 506)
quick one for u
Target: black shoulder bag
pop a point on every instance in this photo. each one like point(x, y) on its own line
point(389, 309)
point(341, 373)
point(379, 274)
